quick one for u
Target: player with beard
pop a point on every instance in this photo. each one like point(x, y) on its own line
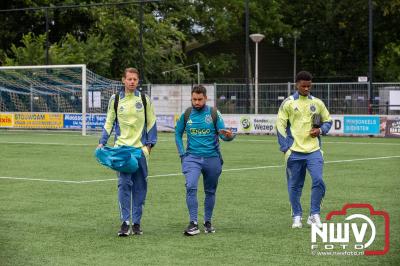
point(204, 126)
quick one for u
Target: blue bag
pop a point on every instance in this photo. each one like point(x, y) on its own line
point(122, 159)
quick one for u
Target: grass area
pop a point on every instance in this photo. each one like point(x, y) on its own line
point(60, 223)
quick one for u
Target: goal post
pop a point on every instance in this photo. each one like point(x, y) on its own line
point(84, 93)
point(62, 89)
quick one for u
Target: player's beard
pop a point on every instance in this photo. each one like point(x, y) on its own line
point(199, 108)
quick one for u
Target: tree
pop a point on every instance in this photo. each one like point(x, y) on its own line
point(388, 65)
point(334, 34)
point(96, 52)
point(31, 53)
point(333, 41)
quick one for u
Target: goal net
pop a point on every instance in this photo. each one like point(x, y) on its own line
point(52, 93)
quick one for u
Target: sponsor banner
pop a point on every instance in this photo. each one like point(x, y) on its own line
point(266, 124)
point(393, 128)
point(97, 121)
point(342, 125)
point(254, 124)
point(6, 120)
point(232, 122)
point(93, 121)
point(38, 120)
point(166, 123)
point(362, 125)
point(337, 125)
point(382, 126)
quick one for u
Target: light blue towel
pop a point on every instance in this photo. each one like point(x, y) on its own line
point(122, 159)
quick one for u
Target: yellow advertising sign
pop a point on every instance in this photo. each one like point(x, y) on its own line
point(38, 120)
point(6, 120)
point(176, 118)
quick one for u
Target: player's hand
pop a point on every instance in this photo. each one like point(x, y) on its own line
point(226, 132)
point(315, 132)
point(100, 146)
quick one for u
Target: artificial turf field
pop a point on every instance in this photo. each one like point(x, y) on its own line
point(58, 206)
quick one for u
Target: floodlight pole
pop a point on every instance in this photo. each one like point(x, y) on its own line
point(246, 52)
point(370, 58)
point(256, 38)
point(141, 67)
point(175, 69)
point(296, 34)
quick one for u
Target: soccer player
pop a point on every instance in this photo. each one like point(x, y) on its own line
point(302, 119)
point(134, 123)
point(204, 126)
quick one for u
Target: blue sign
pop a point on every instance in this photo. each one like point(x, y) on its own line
point(93, 121)
point(368, 125)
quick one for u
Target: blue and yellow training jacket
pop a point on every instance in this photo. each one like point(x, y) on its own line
point(294, 123)
point(130, 126)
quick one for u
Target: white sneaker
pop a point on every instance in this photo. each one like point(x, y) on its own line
point(314, 219)
point(297, 222)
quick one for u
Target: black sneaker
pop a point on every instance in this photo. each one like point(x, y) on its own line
point(192, 229)
point(136, 229)
point(125, 231)
point(208, 228)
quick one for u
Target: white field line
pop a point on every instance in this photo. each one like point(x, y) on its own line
point(179, 174)
point(40, 179)
point(360, 143)
point(326, 142)
point(46, 143)
point(53, 143)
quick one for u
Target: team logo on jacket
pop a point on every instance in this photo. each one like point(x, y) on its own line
point(139, 106)
point(121, 109)
point(312, 108)
point(208, 119)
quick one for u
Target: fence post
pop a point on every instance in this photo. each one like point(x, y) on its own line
point(369, 98)
point(387, 107)
point(288, 89)
point(31, 97)
point(329, 96)
point(215, 94)
point(149, 90)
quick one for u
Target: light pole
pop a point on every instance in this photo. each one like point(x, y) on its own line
point(370, 55)
point(175, 69)
point(296, 34)
point(256, 37)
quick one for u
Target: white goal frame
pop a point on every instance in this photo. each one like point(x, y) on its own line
point(84, 83)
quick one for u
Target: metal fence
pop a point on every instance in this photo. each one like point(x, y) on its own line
point(340, 98)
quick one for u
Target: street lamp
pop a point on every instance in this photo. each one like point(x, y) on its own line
point(256, 37)
point(296, 34)
point(175, 69)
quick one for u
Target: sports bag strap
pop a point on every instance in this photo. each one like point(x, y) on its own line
point(145, 108)
point(214, 116)
point(116, 100)
point(186, 116)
